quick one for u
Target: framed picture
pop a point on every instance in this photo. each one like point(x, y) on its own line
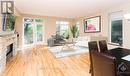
point(92, 24)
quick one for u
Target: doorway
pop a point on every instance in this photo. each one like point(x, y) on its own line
point(33, 31)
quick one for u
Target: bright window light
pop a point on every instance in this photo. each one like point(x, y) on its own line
point(127, 16)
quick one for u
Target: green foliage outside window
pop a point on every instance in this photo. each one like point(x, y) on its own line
point(116, 31)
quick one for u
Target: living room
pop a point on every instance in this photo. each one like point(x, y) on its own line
point(38, 23)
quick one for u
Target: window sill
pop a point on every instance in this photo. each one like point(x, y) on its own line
point(115, 44)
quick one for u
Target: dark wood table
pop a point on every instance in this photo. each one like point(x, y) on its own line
point(119, 53)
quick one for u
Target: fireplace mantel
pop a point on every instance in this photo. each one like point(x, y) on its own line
point(7, 39)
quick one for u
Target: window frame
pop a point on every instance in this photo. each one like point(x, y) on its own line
point(110, 26)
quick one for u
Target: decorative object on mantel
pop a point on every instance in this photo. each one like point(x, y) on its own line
point(8, 22)
point(92, 25)
point(7, 7)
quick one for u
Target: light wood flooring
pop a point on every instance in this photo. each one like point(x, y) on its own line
point(38, 61)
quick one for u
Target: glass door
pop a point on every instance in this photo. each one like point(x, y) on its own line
point(39, 30)
point(39, 33)
point(33, 32)
point(28, 32)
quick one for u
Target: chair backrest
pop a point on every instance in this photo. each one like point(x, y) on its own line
point(103, 65)
point(103, 46)
point(93, 46)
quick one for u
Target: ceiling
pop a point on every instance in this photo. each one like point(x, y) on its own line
point(65, 8)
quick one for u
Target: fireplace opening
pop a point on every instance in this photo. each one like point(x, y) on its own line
point(9, 53)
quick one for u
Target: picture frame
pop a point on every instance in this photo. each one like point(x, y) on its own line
point(92, 24)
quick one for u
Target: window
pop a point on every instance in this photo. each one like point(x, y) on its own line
point(116, 27)
point(62, 27)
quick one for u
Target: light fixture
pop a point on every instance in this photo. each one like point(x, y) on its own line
point(127, 16)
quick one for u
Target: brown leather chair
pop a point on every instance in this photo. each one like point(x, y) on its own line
point(103, 65)
point(103, 46)
point(92, 47)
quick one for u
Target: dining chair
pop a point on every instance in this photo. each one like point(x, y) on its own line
point(103, 46)
point(92, 47)
point(103, 64)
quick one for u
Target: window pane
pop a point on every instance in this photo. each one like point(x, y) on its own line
point(39, 33)
point(116, 31)
point(28, 33)
point(61, 27)
point(38, 20)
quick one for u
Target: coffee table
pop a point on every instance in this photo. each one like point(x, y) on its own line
point(67, 45)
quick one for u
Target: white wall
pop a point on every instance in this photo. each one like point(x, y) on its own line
point(126, 34)
point(105, 24)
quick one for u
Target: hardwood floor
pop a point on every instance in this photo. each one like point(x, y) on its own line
point(38, 61)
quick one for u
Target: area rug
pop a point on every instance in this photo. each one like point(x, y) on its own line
point(60, 53)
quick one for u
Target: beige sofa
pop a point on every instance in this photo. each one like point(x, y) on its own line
point(83, 40)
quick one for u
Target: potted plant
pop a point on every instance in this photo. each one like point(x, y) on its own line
point(74, 31)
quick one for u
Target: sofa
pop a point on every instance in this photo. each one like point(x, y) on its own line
point(55, 40)
point(83, 40)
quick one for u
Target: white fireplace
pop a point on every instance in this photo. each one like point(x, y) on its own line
point(5, 41)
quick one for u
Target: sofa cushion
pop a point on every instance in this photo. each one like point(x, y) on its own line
point(82, 41)
point(83, 38)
